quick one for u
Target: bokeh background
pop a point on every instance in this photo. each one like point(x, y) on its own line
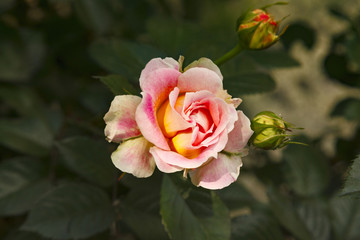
point(62, 61)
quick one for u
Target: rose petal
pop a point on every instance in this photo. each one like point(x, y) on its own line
point(218, 173)
point(120, 119)
point(146, 119)
point(182, 143)
point(155, 64)
point(163, 166)
point(133, 156)
point(227, 97)
point(205, 63)
point(202, 118)
point(196, 79)
point(240, 135)
point(159, 83)
point(223, 114)
point(169, 119)
point(200, 99)
point(156, 89)
point(177, 160)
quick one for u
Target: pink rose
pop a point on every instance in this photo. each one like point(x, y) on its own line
point(185, 121)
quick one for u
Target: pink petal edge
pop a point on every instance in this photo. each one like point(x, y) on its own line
point(205, 63)
point(146, 119)
point(155, 64)
point(133, 156)
point(240, 135)
point(218, 173)
point(161, 165)
point(205, 80)
point(120, 119)
point(174, 159)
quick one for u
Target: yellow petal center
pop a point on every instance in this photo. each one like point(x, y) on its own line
point(179, 141)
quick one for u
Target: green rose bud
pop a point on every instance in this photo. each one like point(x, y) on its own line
point(258, 29)
point(270, 131)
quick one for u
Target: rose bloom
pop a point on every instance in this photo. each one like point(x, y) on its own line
point(185, 121)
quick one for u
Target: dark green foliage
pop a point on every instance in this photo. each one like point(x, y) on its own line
point(189, 213)
point(122, 57)
point(299, 31)
point(352, 183)
point(62, 62)
point(305, 170)
point(256, 226)
point(249, 83)
point(141, 207)
point(345, 218)
point(22, 183)
point(71, 210)
point(88, 158)
point(29, 135)
point(344, 66)
point(348, 108)
point(23, 235)
point(118, 85)
point(284, 210)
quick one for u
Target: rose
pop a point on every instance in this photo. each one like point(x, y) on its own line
point(185, 121)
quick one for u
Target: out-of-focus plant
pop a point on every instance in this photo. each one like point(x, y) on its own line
point(56, 176)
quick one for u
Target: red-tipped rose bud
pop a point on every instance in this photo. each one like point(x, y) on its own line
point(258, 29)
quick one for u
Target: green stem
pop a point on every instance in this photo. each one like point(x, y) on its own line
point(230, 54)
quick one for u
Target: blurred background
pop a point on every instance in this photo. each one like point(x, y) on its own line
point(59, 58)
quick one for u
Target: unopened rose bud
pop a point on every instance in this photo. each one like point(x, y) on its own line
point(270, 131)
point(258, 29)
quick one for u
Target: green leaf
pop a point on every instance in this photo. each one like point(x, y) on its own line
point(189, 39)
point(71, 210)
point(314, 214)
point(141, 206)
point(305, 169)
point(23, 235)
point(256, 226)
point(348, 108)
point(22, 99)
point(118, 85)
point(236, 196)
point(27, 103)
point(96, 14)
point(192, 213)
point(173, 36)
point(27, 135)
point(248, 83)
point(337, 11)
point(20, 55)
point(353, 49)
point(352, 183)
point(88, 158)
point(287, 215)
point(95, 97)
point(122, 57)
point(6, 4)
point(345, 218)
point(146, 225)
point(272, 59)
point(299, 31)
point(21, 185)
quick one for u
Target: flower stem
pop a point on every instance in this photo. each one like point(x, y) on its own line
point(230, 54)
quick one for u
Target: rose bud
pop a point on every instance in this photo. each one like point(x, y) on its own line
point(258, 30)
point(270, 131)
